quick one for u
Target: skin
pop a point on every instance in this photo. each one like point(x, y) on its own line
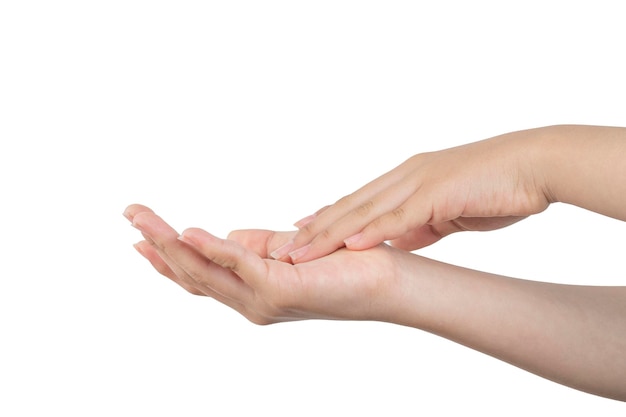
point(574, 335)
point(480, 186)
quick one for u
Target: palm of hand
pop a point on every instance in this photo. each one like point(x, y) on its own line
point(343, 285)
point(240, 273)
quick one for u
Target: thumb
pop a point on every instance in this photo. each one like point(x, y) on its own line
point(227, 254)
point(261, 242)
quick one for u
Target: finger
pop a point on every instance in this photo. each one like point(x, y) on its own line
point(261, 242)
point(162, 267)
point(244, 307)
point(411, 215)
point(179, 276)
point(131, 211)
point(201, 270)
point(149, 252)
point(228, 255)
point(167, 267)
point(310, 227)
point(308, 219)
point(417, 238)
point(387, 201)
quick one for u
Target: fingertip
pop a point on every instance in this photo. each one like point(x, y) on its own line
point(148, 252)
point(235, 234)
point(137, 221)
point(308, 219)
point(362, 241)
point(299, 254)
point(141, 219)
point(323, 209)
point(141, 247)
point(282, 251)
point(195, 236)
point(132, 210)
point(304, 221)
point(352, 241)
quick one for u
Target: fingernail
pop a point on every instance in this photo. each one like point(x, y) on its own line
point(137, 247)
point(353, 239)
point(299, 253)
point(127, 215)
point(282, 251)
point(135, 224)
point(303, 222)
point(185, 239)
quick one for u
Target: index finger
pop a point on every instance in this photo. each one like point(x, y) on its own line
point(201, 269)
point(326, 230)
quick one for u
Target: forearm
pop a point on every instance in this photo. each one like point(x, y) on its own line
point(573, 335)
point(584, 166)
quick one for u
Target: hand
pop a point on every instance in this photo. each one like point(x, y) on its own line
point(492, 314)
point(480, 186)
point(236, 272)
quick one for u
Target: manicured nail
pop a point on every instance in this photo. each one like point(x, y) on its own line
point(282, 251)
point(299, 253)
point(185, 239)
point(353, 239)
point(137, 247)
point(303, 222)
point(135, 224)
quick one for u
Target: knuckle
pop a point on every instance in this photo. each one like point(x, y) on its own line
point(398, 213)
point(323, 209)
point(378, 223)
point(364, 209)
point(346, 200)
point(227, 257)
point(168, 249)
point(308, 229)
point(195, 275)
point(231, 264)
point(162, 269)
point(325, 234)
point(191, 289)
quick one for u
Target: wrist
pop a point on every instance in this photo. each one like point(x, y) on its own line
point(414, 295)
point(583, 166)
point(544, 151)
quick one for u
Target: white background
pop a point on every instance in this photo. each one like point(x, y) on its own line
point(237, 114)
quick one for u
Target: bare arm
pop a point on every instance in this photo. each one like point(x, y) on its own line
point(483, 185)
point(585, 166)
point(574, 335)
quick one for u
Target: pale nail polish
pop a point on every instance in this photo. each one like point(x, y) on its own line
point(303, 222)
point(299, 253)
point(185, 239)
point(353, 239)
point(134, 223)
point(137, 247)
point(282, 251)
